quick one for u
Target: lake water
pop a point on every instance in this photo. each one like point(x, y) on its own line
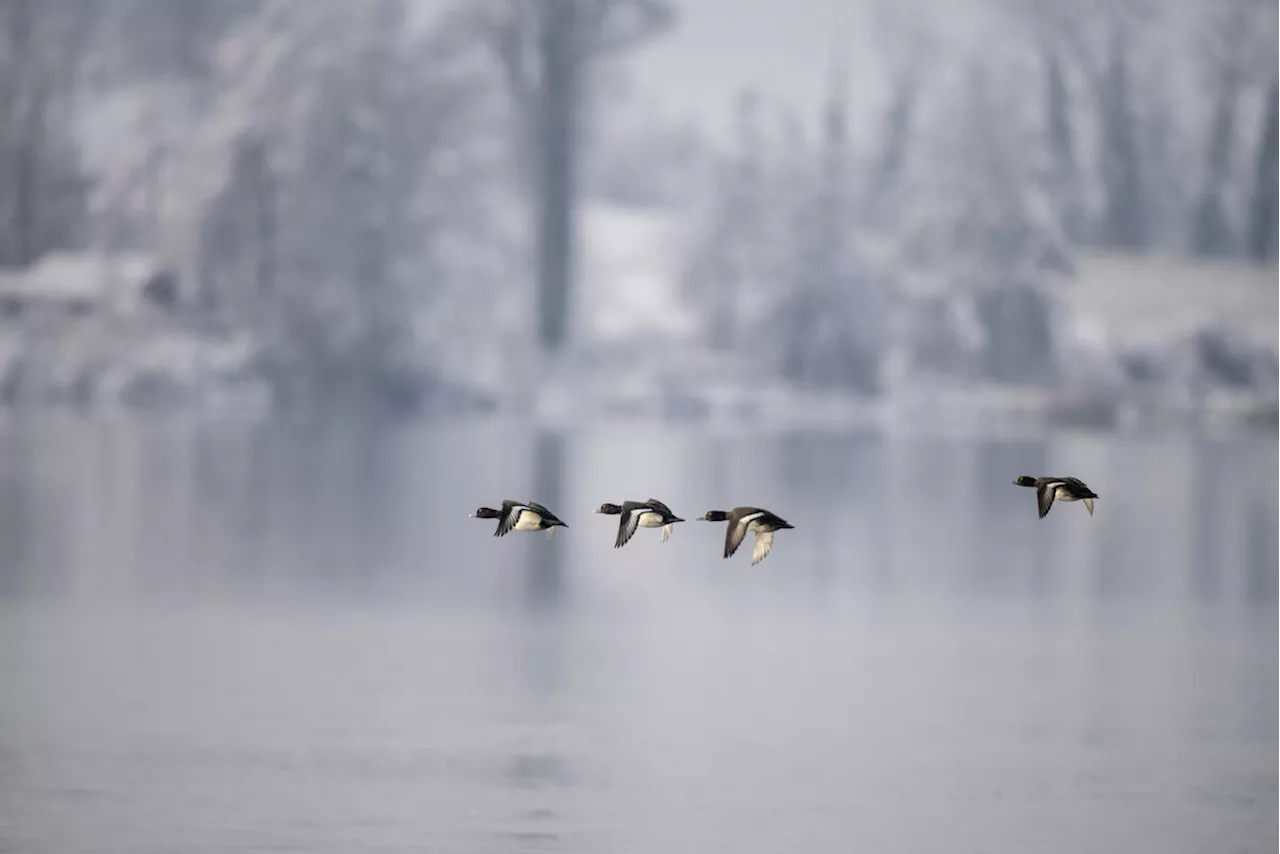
point(222, 638)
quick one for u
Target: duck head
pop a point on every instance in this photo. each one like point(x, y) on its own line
point(485, 513)
point(713, 516)
point(609, 509)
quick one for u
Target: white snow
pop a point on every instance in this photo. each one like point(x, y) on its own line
point(107, 281)
point(1160, 297)
point(630, 274)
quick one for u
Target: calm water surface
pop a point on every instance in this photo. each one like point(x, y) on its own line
point(221, 638)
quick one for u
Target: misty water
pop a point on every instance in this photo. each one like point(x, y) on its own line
point(224, 638)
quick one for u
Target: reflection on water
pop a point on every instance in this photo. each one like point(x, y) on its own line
point(298, 627)
point(546, 560)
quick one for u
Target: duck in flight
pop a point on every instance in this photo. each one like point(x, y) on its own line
point(521, 516)
point(1049, 489)
point(640, 514)
point(762, 523)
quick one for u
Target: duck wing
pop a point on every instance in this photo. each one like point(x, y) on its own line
point(543, 512)
point(511, 511)
point(764, 543)
point(737, 529)
point(1079, 487)
point(628, 522)
point(772, 521)
point(1044, 496)
point(660, 507)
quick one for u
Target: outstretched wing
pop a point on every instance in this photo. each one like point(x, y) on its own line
point(511, 511)
point(733, 534)
point(1044, 497)
point(764, 542)
point(628, 522)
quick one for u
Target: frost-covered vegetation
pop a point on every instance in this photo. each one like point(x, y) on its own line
point(408, 206)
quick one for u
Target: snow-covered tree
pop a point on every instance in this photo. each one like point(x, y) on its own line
point(142, 40)
point(359, 152)
point(719, 262)
point(547, 49)
point(778, 270)
point(829, 318)
point(238, 244)
point(902, 37)
point(1102, 45)
point(984, 226)
point(1262, 217)
point(42, 187)
point(1232, 45)
point(1262, 199)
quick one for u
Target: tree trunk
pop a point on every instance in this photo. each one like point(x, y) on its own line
point(1262, 208)
point(190, 27)
point(1211, 233)
point(26, 115)
point(1058, 114)
point(1125, 222)
point(738, 229)
point(891, 160)
point(556, 144)
point(264, 202)
point(544, 47)
point(1063, 169)
point(25, 199)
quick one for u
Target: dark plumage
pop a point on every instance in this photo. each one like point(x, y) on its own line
point(760, 522)
point(640, 514)
point(521, 516)
point(1049, 489)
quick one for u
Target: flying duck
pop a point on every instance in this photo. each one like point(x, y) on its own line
point(521, 516)
point(640, 514)
point(762, 523)
point(1060, 488)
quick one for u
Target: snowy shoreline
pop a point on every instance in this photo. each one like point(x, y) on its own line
point(1133, 342)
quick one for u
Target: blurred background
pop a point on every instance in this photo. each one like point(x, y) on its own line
point(289, 287)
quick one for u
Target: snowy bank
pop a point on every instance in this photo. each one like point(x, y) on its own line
point(1137, 341)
